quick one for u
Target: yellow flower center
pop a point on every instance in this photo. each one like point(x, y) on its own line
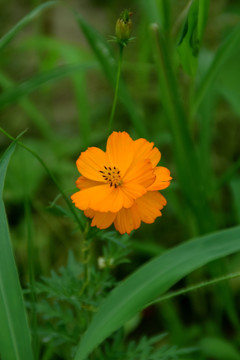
point(111, 175)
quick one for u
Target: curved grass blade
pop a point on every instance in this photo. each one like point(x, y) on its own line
point(15, 336)
point(23, 22)
point(30, 109)
point(152, 280)
point(225, 50)
point(15, 93)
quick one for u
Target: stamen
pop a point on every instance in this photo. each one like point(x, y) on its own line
point(111, 175)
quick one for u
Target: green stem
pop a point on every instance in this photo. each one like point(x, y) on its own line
point(50, 175)
point(31, 272)
point(195, 287)
point(116, 88)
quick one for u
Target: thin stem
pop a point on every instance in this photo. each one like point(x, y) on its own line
point(116, 88)
point(31, 271)
point(195, 287)
point(50, 175)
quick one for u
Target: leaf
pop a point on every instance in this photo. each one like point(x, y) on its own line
point(23, 22)
point(217, 348)
point(15, 93)
point(224, 52)
point(188, 46)
point(15, 336)
point(227, 83)
point(235, 189)
point(152, 280)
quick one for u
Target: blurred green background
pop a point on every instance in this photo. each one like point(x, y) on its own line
point(53, 85)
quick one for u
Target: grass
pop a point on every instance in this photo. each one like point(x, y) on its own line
point(179, 88)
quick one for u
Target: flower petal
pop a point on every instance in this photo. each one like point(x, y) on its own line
point(162, 180)
point(133, 191)
point(149, 206)
point(101, 198)
point(89, 213)
point(127, 220)
point(84, 183)
point(145, 150)
point(90, 162)
point(142, 173)
point(120, 150)
point(103, 220)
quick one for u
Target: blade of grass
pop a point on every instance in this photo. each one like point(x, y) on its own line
point(195, 287)
point(225, 50)
point(23, 22)
point(152, 280)
point(15, 335)
point(12, 95)
point(203, 6)
point(107, 61)
point(31, 110)
point(185, 155)
point(31, 258)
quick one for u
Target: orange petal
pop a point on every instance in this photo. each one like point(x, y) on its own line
point(141, 173)
point(127, 220)
point(90, 162)
point(89, 213)
point(162, 180)
point(101, 198)
point(103, 220)
point(120, 150)
point(145, 150)
point(132, 191)
point(149, 206)
point(84, 183)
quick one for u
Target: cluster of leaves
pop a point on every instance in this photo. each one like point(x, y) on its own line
point(151, 348)
point(67, 299)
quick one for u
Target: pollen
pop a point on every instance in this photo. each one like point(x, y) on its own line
point(111, 175)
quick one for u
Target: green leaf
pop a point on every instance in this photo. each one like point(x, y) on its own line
point(216, 348)
point(31, 110)
point(15, 336)
point(235, 189)
point(228, 80)
point(224, 52)
point(188, 46)
point(23, 22)
point(152, 280)
point(15, 93)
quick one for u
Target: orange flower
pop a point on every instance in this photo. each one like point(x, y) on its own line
point(121, 185)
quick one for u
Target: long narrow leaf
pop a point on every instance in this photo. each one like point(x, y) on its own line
point(152, 280)
point(15, 93)
point(23, 22)
point(225, 50)
point(15, 336)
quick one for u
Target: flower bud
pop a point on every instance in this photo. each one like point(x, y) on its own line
point(124, 26)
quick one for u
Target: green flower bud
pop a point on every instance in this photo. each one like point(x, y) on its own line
point(124, 26)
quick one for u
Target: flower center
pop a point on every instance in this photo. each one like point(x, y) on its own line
point(111, 175)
